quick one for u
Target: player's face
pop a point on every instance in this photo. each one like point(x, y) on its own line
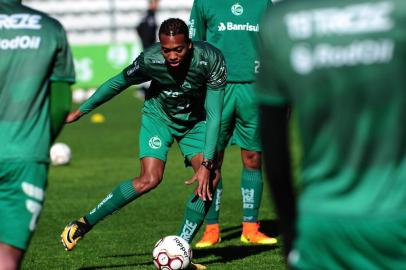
point(174, 48)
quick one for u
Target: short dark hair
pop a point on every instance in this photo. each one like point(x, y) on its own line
point(174, 26)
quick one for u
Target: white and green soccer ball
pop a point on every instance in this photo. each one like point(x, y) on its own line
point(60, 154)
point(172, 253)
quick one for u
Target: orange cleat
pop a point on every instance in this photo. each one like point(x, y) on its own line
point(252, 235)
point(210, 237)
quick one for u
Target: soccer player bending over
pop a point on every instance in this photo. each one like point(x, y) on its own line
point(183, 103)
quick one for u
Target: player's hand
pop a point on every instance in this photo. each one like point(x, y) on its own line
point(204, 188)
point(73, 116)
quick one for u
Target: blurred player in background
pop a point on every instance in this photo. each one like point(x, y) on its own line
point(36, 70)
point(146, 30)
point(233, 27)
point(184, 102)
point(340, 64)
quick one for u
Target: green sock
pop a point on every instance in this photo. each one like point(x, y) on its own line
point(195, 212)
point(212, 216)
point(121, 195)
point(251, 191)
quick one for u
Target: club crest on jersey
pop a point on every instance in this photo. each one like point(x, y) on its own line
point(155, 142)
point(237, 9)
point(186, 85)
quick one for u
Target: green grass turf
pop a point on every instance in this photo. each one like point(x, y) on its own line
point(104, 155)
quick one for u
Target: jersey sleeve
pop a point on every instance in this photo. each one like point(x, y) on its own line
point(63, 69)
point(216, 84)
point(137, 73)
point(214, 106)
point(217, 71)
point(197, 21)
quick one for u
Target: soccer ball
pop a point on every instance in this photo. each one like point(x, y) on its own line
point(172, 253)
point(60, 154)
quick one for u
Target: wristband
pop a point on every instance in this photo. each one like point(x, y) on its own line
point(208, 164)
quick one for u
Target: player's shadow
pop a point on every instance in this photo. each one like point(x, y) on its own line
point(223, 254)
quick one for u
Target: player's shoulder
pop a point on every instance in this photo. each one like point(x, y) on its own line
point(151, 55)
point(205, 48)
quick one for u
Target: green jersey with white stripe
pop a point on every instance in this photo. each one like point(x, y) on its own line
point(33, 51)
point(341, 65)
point(233, 27)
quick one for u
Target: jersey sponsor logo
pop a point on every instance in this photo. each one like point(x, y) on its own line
point(20, 21)
point(237, 9)
point(230, 26)
point(155, 142)
point(192, 29)
point(160, 62)
point(20, 42)
point(305, 59)
point(188, 230)
point(353, 19)
point(134, 68)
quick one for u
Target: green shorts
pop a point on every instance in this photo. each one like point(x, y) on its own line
point(349, 243)
point(22, 192)
point(156, 137)
point(240, 118)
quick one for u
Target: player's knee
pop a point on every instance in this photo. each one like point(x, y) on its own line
point(251, 160)
point(146, 183)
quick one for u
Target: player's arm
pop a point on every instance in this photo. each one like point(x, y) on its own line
point(214, 105)
point(60, 105)
point(133, 74)
point(197, 21)
point(105, 92)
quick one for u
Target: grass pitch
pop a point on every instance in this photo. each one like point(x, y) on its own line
point(106, 153)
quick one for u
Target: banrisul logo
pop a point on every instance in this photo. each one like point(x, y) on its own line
point(230, 26)
point(237, 9)
point(155, 142)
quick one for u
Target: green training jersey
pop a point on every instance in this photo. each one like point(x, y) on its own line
point(233, 27)
point(33, 51)
point(178, 97)
point(341, 65)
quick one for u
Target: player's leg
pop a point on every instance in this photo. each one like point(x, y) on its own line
point(246, 135)
point(192, 145)
point(124, 193)
point(22, 193)
point(211, 235)
point(196, 208)
point(155, 140)
point(10, 257)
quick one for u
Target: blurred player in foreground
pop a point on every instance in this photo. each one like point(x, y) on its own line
point(36, 70)
point(233, 27)
point(340, 64)
point(184, 102)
